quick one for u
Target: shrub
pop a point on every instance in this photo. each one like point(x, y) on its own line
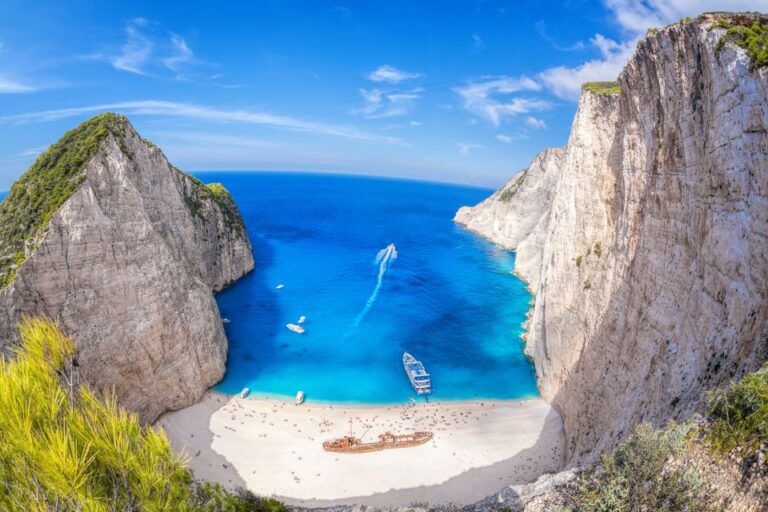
point(753, 38)
point(598, 249)
point(66, 449)
point(587, 285)
point(577, 259)
point(640, 475)
point(509, 193)
point(740, 415)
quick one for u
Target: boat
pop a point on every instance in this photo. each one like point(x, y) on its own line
point(302, 319)
point(387, 440)
point(299, 398)
point(280, 286)
point(417, 374)
point(245, 392)
point(225, 320)
point(295, 328)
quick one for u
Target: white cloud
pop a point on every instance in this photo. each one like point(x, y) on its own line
point(379, 104)
point(467, 148)
point(506, 139)
point(565, 82)
point(415, 123)
point(391, 75)
point(192, 111)
point(535, 123)
point(151, 49)
point(8, 86)
point(634, 17)
point(182, 53)
point(484, 98)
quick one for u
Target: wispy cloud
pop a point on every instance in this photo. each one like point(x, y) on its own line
point(489, 97)
point(192, 111)
point(636, 16)
point(541, 29)
point(151, 49)
point(391, 75)
point(506, 139)
point(633, 17)
point(379, 104)
point(477, 43)
point(11, 85)
point(565, 82)
point(466, 148)
point(535, 123)
point(8, 86)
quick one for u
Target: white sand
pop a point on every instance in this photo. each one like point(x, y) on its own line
point(275, 449)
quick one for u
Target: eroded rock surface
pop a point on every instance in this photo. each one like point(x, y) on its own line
point(644, 239)
point(127, 266)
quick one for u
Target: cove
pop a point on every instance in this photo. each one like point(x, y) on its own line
point(377, 267)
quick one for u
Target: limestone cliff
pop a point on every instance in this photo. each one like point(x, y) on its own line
point(644, 239)
point(123, 251)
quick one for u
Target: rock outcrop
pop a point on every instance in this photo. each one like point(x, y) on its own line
point(126, 263)
point(644, 239)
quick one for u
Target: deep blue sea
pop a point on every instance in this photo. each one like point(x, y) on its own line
point(448, 297)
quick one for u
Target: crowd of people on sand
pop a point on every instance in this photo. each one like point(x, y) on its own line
point(432, 416)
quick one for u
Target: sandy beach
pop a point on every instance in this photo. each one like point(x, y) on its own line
point(275, 449)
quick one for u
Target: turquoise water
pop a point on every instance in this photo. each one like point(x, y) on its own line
point(446, 296)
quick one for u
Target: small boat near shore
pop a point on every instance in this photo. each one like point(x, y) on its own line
point(417, 374)
point(299, 398)
point(245, 392)
point(295, 328)
point(387, 440)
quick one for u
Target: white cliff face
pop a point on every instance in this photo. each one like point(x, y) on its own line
point(127, 267)
point(649, 268)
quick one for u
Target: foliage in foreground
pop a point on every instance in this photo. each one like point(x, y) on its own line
point(641, 474)
point(66, 449)
point(740, 415)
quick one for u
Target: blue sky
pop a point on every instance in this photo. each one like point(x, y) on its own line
point(456, 91)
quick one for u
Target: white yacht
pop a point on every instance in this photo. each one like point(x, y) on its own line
point(417, 374)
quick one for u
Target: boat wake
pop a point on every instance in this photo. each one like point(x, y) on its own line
point(384, 260)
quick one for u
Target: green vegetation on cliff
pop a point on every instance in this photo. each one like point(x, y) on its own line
point(52, 179)
point(667, 469)
point(753, 37)
point(602, 87)
point(640, 475)
point(509, 193)
point(67, 449)
point(218, 194)
point(740, 416)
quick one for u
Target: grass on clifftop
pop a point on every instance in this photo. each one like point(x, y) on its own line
point(602, 87)
point(49, 183)
point(753, 38)
point(67, 449)
point(218, 194)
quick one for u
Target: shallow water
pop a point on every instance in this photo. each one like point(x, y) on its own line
point(448, 297)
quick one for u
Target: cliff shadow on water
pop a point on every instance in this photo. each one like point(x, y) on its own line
point(254, 314)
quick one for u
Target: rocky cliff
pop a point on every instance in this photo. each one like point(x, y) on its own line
point(124, 252)
point(644, 239)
